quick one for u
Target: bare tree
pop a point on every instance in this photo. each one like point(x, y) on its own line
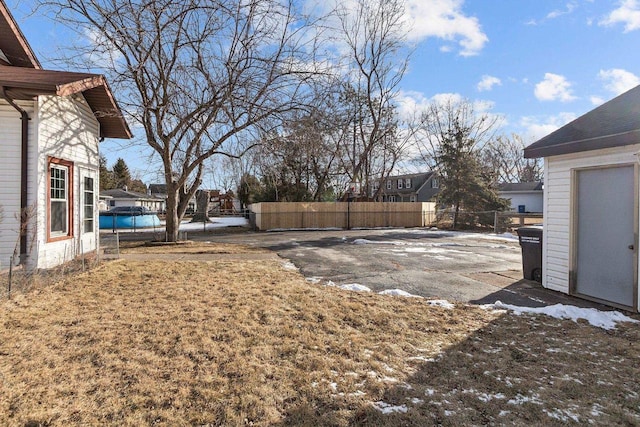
point(195, 74)
point(374, 37)
point(504, 155)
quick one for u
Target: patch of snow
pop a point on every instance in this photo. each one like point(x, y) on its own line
point(398, 293)
point(484, 397)
point(416, 401)
point(422, 359)
point(429, 392)
point(441, 303)
point(334, 386)
point(217, 222)
point(503, 413)
point(305, 229)
point(289, 266)
point(387, 408)
point(601, 319)
point(520, 399)
point(314, 280)
point(449, 413)
point(596, 410)
point(355, 287)
point(377, 242)
point(563, 415)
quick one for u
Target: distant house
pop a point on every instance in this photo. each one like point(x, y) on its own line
point(122, 197)
point(160, 191)
point(524, 196)
point(591, 203)
point(416, 187)
point(51, 124)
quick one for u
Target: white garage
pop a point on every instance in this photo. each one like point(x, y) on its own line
point(591, 218)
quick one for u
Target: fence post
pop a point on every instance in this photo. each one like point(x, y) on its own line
point(495, 222)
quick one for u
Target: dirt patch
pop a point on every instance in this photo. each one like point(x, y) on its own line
point(253, 343)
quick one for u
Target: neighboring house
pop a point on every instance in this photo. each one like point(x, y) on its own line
point(160, 191)
point(523, 196)
point(122, 197)
point(416, 187)
point(51, 124)
point(590, 242)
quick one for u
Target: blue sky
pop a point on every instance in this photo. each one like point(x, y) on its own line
point(538, 63)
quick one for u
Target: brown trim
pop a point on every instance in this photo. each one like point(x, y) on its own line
point(68, 164)
point(78, 86)
point(27, 53)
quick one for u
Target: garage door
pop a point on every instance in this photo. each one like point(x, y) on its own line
point(605, 241)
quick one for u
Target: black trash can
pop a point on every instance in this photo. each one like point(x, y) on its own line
point(531, 243)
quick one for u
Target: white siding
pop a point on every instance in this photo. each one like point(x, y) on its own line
point(531, 201)
point(68, 130)
point(557, 207)
point(10, 176)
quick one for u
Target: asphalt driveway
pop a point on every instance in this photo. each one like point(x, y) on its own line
point(467, 267)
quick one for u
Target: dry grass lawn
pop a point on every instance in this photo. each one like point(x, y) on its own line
point(251, 343)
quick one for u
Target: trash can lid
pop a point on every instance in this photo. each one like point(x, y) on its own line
point(529, 230)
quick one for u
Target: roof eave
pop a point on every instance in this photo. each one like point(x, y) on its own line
point(608, 141)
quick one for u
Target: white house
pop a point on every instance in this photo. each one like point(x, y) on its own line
point(522, 195)
point(123, 197)
point(591, 214)
point(51, 124)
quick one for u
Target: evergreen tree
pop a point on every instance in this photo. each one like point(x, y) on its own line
point(121, 174)
point(106, 176)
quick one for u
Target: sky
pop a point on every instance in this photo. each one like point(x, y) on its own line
point(537, 63)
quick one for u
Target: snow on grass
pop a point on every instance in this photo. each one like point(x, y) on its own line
point(231, 221)
point(398, 293)
point(441, 303)
point(288, 265)
point(387, 408)
point(595, 317)
point(356, 287)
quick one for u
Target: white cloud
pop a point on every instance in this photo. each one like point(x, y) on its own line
point(596, 100)
point(618, 80)
point(628, 13)
point(570, 7)
point(537, 127)
point(444, 19)
point(554, 87)
point(488, 82)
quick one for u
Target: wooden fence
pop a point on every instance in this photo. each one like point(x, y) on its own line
point(323, 215)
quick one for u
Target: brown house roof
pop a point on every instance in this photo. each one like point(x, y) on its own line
point(13, 43)
point(613, 124)
point(23, 79)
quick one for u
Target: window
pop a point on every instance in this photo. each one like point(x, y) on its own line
point(400, 181)
point(392, 199)
point(434, 183)
point(89, 205)
point(60, 198)
point(376, 185)
point(388, 184)
point(412, 199)
point(407, 183)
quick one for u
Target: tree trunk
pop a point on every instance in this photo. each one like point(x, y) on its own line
point(172, 219)
point(202, 209)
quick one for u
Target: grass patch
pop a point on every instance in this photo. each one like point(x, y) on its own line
point(250, 343)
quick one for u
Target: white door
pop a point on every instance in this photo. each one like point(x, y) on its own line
point(605, 235)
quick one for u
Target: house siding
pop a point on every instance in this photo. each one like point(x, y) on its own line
point(68, 130)
point(556, 250)
point(10, 161)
